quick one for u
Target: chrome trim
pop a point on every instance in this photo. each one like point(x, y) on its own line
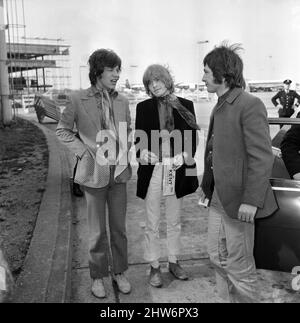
point(284, 121)
point(287, 189)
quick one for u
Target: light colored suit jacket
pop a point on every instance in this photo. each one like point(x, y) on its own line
point(242, 155)
point(81, 110)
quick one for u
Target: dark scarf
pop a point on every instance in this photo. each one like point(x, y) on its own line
point(171, 101)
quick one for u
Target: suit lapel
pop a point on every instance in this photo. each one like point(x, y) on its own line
point(218, 107)
point(234, 93)
point(211, 124)
point(90, 106)
point(152, 115)
point(117, 111)
point(178, 120)
point(230, 99)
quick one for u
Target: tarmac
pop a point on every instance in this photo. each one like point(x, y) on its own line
point(56, 266)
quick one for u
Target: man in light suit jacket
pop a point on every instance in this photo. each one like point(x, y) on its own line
point(102, 120)
point(238, 164)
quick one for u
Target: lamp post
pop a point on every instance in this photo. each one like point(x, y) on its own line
point(5, 108)
point(271, 72)
point(133, 73)
point(198, 65)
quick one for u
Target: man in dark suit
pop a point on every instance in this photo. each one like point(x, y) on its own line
point(285, 100)
point(290, 148)
point(238, 165)
point(161, 117)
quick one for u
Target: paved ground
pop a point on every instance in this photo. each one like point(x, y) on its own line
point(200, 288)
point(275, 287)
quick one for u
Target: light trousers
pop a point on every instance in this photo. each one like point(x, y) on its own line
point(230, 248)
point(153, 214)
point(114, 196)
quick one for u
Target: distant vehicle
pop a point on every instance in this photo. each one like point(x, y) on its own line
point(277, 237)
point(16, 104)
point(192, 91)
point(182, 86)
point(138, 87)
point(191, 86)
point(55, 94)
point(265, 85)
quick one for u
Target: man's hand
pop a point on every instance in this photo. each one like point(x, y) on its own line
point(203, 201)
point(279, 106)
point(178, 160)
point(296, 176)
point(247, 213)
point(149, 157)
point(202, 194)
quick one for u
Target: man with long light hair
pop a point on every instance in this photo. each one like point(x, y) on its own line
point(165, 114)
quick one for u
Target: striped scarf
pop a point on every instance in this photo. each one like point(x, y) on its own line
point(104, 105)
point(171, 101)
point(106, 119)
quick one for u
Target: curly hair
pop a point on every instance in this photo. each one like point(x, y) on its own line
point(158, 72)
point(225, 62)
point(99, 59)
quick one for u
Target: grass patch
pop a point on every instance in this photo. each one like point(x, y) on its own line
point(23, 172)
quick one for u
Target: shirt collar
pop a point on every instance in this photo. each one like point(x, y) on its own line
point(233, 94)
point(93, 90)
point(223, 97)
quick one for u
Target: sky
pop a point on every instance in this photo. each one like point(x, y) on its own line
point(143, 32)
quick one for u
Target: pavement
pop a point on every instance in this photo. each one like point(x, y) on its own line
point(47, 267)
point(56, 267)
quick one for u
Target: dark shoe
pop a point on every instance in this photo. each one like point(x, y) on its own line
point(155, 278)
point(177, 271)
point(77, 190)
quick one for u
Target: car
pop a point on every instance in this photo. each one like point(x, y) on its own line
point(277, 237)
point(45, 107)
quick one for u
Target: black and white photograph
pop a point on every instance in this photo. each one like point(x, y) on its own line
point(149, 154)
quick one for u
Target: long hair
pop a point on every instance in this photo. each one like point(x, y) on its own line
point(99, 59)
point(225, 62)
point(158, 72)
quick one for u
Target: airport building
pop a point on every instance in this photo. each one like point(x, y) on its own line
point(37, 67)
point(35, 64)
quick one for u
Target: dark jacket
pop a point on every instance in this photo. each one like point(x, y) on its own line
point(147, 119)
point(287, 100)
point(290, 147)
point(242, 158)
